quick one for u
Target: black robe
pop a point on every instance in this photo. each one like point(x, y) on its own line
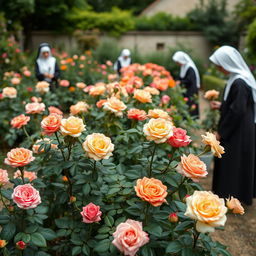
point(234, 173)
point(189, 83)
point(119, 66)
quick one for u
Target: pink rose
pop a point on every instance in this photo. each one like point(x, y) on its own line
point(179, 138)
point(26, 196)
point(35, 108)
point(64, 83)
point(3, 177)
point(165, 99)
point(91, 213)
point(129, 237)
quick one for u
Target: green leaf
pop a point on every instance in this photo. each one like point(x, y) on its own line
point(4, 219)
point(224, 252)
point(181, 206)
point(76, 250)
point(109, 220)
point(154, 229)
point(25, 237)
point(86, 250)
point(31, 229)
point(113, 191)
point(133, 174)
point(38, 240)
point(41, 209)
point(8, 231)
point(86, 189)
point(187, 252)
point(104, 230)
point(174, 247)
point(102, 246)
point(147, 251)
point(184, 225)
point(62, 223)
point(48, 234)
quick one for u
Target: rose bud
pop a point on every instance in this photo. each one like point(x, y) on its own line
point(65, 178)
point(173, 218)
point(21, 245)
point(3, 243)
point(235, 206)
point(11, 208)
point(72, 199)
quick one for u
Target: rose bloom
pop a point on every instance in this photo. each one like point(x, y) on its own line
point(72, 126)
point(51, 124)
point(18, 157)
point(158, 113)
point(36, 99)
point(100, 103)
point(28, 175)
point(21, 245)
point(3, 177)
point(19, 121)
point(158, 130)
point(129, 237)
point(27, 73)
point(112, 77)
point(114, 105)
point(235, 206)
point(192, 167)
point(207, 209)
point(42, 87)
point(97, 90)
point(54, 110)
point(91, 213)
point(64, 83)
point(9, 92)
point(151, 190)
point(142, 96)
point(152, 90)
point(165, 99)
point(137, 114)
point(15, 81)
point(38, 143)
point(179, 138)
point(35, 108)
point(3, 243)
point(211, 95)
point(26, 196)
point(98, 146)
point(216, 148)
point(80, 85)
point(79, 107)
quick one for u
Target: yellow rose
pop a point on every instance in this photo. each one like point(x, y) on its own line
point(98, 146)
point(207, 209)
point(142, 96)
point(158, 113)
point(72, 126)
point(159, 130)
point(114, 105)
point(210, 139)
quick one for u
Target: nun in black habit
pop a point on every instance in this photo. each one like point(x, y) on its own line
point(234, 173)
point(46, 66)
point(124, 60)
point(190, 79)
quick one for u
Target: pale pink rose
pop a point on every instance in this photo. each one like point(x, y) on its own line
point(3, 177)
point(129, 237)
point(109, 63)
point(165, 99)
point(91, 213)
point(64, 83)
point(27, 73)
point(26, 196)
point(9, 92)
point(28, 175)
point(15, 81)
point(179, 138)
point(35, 108)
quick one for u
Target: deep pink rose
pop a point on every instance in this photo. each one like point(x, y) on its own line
point(26, 196)
point(91, 213)
point(179, 138)
point(129, 237)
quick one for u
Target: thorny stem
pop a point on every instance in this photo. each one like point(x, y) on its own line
point(151, 162)
point(196, 236)
point(22, 175)
point(59, 145)
point(25, 131)
point(182, 182)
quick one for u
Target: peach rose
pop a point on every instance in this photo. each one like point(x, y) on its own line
point(72, 126)
point(80, 85)
point(38, 143)
point(97, 90)
point(19, 121)
point(100, 103)
point(207, 209)
point(114, 105)
point(9, 92)
point(192, 167)
point(211, 95)
point(216, 148)
point(151, 190)
point(3, 177)
point(137, 114)
point(64, 83)
point(151, 90)
point(54, 110)
point(18, 157)
point(98, 146)
point(158, 130)
point(235, 206)
point(79, 107)
point(129, 237)
point(35, 108)
point(42, 87)
point(158, 113)
point(51, 124)
point(179, 138)
point(26, 196)
point(28, 175)
point(91, 213)
point(15, 81)
point(142, 96)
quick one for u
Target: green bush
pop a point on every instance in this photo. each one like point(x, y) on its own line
point(211, 82)
point(251, 39)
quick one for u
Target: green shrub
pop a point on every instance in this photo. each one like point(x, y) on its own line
point(251, 39)
point(211, 82)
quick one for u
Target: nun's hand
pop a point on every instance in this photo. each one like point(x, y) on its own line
point(215, 104)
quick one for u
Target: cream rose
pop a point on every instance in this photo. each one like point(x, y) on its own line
point(79, 107)
point(72, 126)
point(114, 105)
point(158, 113)
point(9, 92)
point(142, 96)
point(42, 87)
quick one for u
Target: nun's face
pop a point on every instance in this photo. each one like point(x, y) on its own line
point(45, 54)
point(126, 57)
point(222, 70)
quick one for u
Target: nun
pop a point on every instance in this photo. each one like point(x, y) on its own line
point(190, 79)
point(124, 60)
point(46, 66)
point(234, 173)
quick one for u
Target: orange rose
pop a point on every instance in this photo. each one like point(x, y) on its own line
point(192, 167)
point(210, 139)
point(136, 114)
point(235, 206)
point(51, 124)
point(158, 113)
point(3, 243)
point(158, 130)
point(72, 126)
point(172, 83)
point(100, 103)
point(97, 90)
point(18, 157)
point(19, 121)
point(9, 92)
point(114, 105)
point(79, 107)
point(211, 95)
point(151, 190)
point(142, 96)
